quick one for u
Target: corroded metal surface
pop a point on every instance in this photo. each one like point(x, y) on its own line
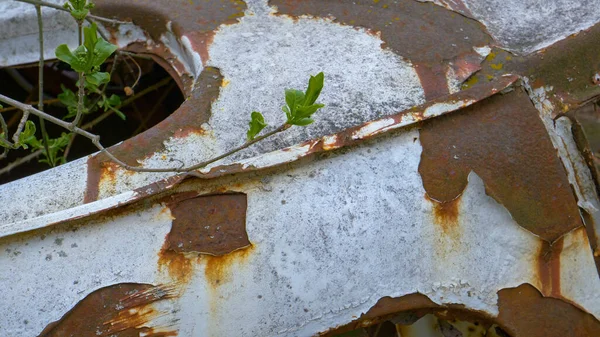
point(525, 312)
point(189, 118)
point(120, 310)
point(445, 38)
point(510, 150)
point(214, 225)
point(339, 224)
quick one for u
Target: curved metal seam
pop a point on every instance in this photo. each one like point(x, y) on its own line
point(348, 137)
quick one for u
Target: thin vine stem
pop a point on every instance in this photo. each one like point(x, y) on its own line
point(81, 91)
point(38, 10)
point(27, 109)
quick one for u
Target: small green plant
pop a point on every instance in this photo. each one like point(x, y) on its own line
point(299, 108)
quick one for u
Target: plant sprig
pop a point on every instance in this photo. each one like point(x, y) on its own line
point(299, 108)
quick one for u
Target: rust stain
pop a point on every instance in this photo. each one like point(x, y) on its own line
point(188, 118)
point(511, 151)
point(446, 213)
point(179, 267)
point(119, 310)
point(548, 267)
point(525, 312)
point(201, 43)
point(431, 37)
point(218, 269)
point(211, 225)
point(185, 18)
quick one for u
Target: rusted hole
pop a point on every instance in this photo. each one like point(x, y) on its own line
point(154, 98)
point(417, 315)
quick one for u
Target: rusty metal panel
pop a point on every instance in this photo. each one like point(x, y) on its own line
point(214, 225)
point(442, 182)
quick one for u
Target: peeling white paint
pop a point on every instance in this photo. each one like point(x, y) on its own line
point(442, 108)
point(310, 268)
point(524, 27)
point(483, 51)
point(372, 128)
point(561, 136)
point(19, 39)
point(182, 49)
point(330, 142)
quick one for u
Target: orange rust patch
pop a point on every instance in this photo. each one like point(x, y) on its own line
point(179, 267)
point(446, 213)
point(548, 266)
point(218, 269)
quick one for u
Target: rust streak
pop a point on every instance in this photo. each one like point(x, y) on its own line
point(218, 268)
point(548, 266)
point(446, 214)
point(179, 267)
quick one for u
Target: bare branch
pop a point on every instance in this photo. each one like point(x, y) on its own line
point(139, 75)
point(5, 132)
point(81, 92)
point(96, 140)
point(89, 17)
point(47, 101)
point(21, 161)
point(38, 10)
point(21, 126)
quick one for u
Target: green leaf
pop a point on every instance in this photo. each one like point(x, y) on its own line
point(64, 54)
point(90, 36)
point(293, 98)
point(257, 123)
point(102, 51)
point(315, 85)
point(114, 100)
point(55, 147)
point(301, 106)
point(97, 79)
point(94, 51)
point(307, 111)
point(67, 97)
point(77, 59)
point(302, 121)
point(79, 8)
point(27, 136)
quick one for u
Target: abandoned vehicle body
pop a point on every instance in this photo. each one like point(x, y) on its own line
point(446, 179)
